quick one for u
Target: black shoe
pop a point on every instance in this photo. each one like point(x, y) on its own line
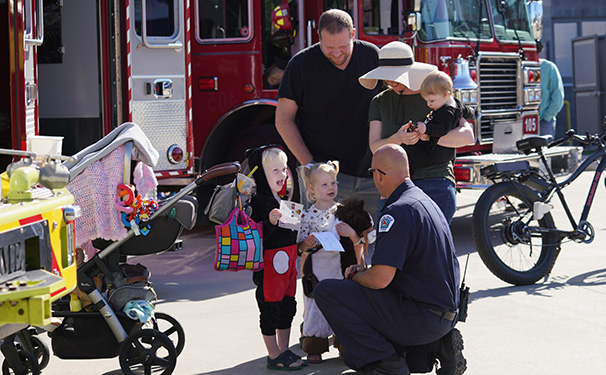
point(394, 365)
point(449, 352)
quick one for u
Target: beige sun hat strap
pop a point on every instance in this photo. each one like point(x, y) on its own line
point(406, 61)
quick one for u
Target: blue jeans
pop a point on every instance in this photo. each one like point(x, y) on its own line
point(440, 190)
point(548, 127)
point(443, 192)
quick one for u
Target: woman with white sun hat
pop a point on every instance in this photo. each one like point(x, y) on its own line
point(392, 116)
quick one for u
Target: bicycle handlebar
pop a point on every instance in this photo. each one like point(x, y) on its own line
point(587, 139)
point(569, 135)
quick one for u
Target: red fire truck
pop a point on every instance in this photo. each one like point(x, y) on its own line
point(200, 77)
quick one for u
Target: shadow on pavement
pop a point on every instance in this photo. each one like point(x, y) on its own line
point(188, 274)
point(588, 279)
point(592, 278)
point(331, 366)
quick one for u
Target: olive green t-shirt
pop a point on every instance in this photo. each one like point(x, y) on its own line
point(394, 110)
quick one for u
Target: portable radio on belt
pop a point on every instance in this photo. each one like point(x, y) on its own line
point(464, 296)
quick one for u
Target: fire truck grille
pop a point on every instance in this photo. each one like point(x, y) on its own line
point(498, 89)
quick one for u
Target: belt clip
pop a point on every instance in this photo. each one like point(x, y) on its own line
point(443, 316)
point(455, 320)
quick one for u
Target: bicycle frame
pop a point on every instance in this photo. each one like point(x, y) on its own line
point(513, 229)
point(556, 188)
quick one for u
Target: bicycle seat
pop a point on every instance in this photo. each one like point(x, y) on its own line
point(527, 144)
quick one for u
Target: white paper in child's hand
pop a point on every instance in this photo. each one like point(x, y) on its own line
point(291, 215)
point(329, 241)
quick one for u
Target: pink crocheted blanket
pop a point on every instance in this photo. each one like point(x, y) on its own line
point(95, 191)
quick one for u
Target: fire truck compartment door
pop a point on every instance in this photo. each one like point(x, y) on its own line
point(157, 80)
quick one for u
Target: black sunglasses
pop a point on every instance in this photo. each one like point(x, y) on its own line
point(372, 170)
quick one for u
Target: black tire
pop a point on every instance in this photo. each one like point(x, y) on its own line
point(29, 365)
point(41, 352)
point(498, 228)
point(171, 328)
point(148, 351)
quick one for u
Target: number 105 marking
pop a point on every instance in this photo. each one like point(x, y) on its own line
point(531, 125)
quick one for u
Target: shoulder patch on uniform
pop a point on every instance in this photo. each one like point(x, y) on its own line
point(385, 223)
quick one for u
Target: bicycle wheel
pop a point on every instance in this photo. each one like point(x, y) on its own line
point(500, 232)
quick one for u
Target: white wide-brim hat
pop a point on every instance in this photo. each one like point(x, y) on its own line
point(397, 63)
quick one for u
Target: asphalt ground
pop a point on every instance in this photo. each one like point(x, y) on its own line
point(556, 326)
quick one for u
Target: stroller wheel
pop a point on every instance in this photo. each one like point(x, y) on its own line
point(28, 365)
point(41, 352)
point(148, 350)
point(171, 328)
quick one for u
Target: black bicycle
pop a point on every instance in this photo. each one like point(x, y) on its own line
point(513, 230)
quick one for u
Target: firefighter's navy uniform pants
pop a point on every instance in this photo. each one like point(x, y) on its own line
point(375, 324)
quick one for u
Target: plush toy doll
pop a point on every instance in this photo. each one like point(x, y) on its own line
point(352, 212)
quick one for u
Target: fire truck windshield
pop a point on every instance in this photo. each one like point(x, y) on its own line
point(447, 19)
point(511, 21)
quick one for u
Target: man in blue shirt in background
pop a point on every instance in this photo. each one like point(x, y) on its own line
point(552, 95)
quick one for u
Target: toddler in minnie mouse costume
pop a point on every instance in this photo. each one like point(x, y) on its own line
point(276, 283)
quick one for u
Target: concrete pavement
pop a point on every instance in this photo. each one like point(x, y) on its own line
point(554, 327)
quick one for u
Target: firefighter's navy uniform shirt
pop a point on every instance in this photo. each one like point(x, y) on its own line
point(412, 236)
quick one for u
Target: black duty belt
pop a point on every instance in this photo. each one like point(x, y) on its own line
point(448, 315)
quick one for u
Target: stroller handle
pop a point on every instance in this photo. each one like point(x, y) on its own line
point(214, 171)
point(218, 170)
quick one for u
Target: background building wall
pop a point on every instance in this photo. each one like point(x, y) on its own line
point(564, 20)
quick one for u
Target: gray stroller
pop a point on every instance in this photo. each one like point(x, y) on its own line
point(107, 331)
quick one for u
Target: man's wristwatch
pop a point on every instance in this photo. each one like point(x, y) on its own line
point(353, 272)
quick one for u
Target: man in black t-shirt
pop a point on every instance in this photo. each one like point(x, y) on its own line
point(322, 109)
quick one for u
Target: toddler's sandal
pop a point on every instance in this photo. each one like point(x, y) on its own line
point(282, 362)
point(296, 357)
